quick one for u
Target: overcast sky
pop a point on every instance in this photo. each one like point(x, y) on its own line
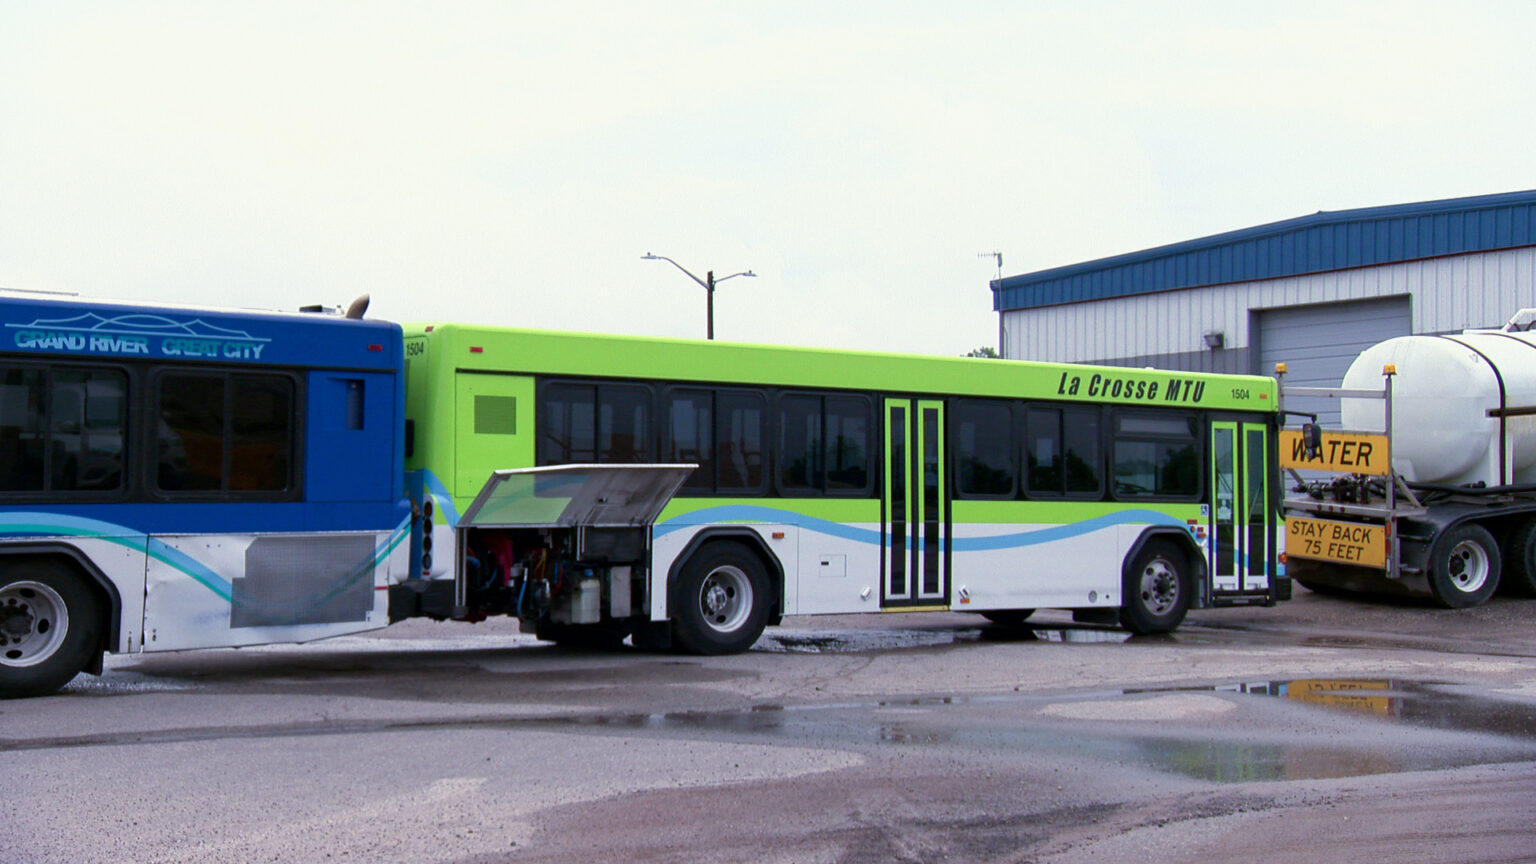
point(511, 162)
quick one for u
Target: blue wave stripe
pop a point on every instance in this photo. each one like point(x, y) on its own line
point(57, 525)
point(756, 513)
point(1064, 532)
point(54, 524)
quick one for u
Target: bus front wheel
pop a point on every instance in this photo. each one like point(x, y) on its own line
point(721, 604)
point(1158, 589)
point(49, 622)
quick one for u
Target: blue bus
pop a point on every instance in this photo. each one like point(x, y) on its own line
point(177, 478)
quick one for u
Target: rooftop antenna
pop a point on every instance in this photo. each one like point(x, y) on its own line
point(996, 256)
point(1002, 331)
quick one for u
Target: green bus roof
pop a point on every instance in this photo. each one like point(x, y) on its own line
point(538, 352)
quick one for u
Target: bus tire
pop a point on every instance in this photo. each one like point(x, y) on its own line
point(1519, 577)
point(50, 627)
point(1009, 618)
point(1158, 589)
point(721, 600)
point(1464, 567)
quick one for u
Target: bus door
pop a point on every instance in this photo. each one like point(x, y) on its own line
point(915, 530)
point(1241, 520)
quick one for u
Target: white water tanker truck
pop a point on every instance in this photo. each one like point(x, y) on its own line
point(1429, 489)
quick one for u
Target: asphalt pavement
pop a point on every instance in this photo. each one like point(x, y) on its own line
point(1324, 729)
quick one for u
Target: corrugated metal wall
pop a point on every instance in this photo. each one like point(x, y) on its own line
point(1446, 294)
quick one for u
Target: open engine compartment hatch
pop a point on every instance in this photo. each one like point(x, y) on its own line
point(575, 496)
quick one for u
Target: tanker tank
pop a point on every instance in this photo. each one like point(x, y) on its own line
point(1457, 405)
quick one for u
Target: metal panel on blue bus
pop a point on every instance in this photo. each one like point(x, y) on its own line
point(304, 580)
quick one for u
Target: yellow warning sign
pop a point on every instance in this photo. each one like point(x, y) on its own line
point(1351, 452)
point(1344, 542)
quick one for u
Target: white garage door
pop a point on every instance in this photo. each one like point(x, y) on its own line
point(1317, 343)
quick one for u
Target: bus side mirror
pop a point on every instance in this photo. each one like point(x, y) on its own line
point(1312, 439)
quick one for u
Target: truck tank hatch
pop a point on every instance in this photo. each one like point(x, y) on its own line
point(575, 496)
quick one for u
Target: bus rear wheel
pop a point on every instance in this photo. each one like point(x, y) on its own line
point(721, 601)
point(49, 628)
point(1158, 588)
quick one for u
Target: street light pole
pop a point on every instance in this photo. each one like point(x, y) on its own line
point(708, 283)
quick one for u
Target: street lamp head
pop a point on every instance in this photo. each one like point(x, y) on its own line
point(707, 284)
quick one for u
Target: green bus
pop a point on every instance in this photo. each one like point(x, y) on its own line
point(688, 494)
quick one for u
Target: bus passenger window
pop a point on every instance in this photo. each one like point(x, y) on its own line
point(260, 433)
point(1080, 451)
point(624, 424)
point(603, 423)
point(191, 433)
point(984, 449)
point(1063, 448)
point(88, 414)
point(220, 432)
point(689, 436)
point(1042, 444)
point(824, 444)
point(1156, 456)
point(22, 443)
point(847, 456)
point(567, 424)
point(739, 439)
point(800, 443)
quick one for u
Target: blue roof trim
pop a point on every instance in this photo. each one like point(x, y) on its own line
point(1317, 243)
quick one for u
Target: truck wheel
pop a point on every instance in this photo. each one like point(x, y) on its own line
point(1158, 588)
point(1464, 567)
point(1519, 577)
point(49, 628)
point(721, 604)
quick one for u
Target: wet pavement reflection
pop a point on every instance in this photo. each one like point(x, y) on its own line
point(1505, 730)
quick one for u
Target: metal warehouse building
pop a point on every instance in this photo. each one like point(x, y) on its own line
point(1311, 291)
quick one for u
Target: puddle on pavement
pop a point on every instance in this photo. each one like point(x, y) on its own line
point(861, 640)
point(1416, 704)
point(909, 722)
point(1500, 730)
